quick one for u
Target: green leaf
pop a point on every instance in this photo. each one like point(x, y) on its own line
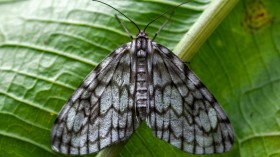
point(48, 47)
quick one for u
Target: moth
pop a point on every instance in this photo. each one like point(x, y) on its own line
point(141, 81)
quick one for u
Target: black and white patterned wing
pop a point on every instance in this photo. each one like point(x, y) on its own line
point(183, 112)
point(99, 113)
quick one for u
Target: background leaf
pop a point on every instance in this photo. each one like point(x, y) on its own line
point(48, 47)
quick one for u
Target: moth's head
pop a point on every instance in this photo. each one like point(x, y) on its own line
point(142, 34)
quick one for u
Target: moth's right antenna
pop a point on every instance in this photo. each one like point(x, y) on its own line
point(172, 10)
point(161, 27)
point(118, 18)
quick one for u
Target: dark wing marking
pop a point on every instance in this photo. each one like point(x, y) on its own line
point(182, 110)
point(100, 112)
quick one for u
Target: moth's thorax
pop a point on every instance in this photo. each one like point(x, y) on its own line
point(141, 41)
point(142, 49)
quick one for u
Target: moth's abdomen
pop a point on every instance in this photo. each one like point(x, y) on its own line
point(141, 96)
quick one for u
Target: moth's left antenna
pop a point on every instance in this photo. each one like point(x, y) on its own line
point(118, 18)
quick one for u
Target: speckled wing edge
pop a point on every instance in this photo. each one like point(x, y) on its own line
point(183, 112)
point(100, 112)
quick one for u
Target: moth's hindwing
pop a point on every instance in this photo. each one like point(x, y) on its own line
point(182, 110)
point(100, 112)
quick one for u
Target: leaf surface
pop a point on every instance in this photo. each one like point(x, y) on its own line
point(48, 47)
